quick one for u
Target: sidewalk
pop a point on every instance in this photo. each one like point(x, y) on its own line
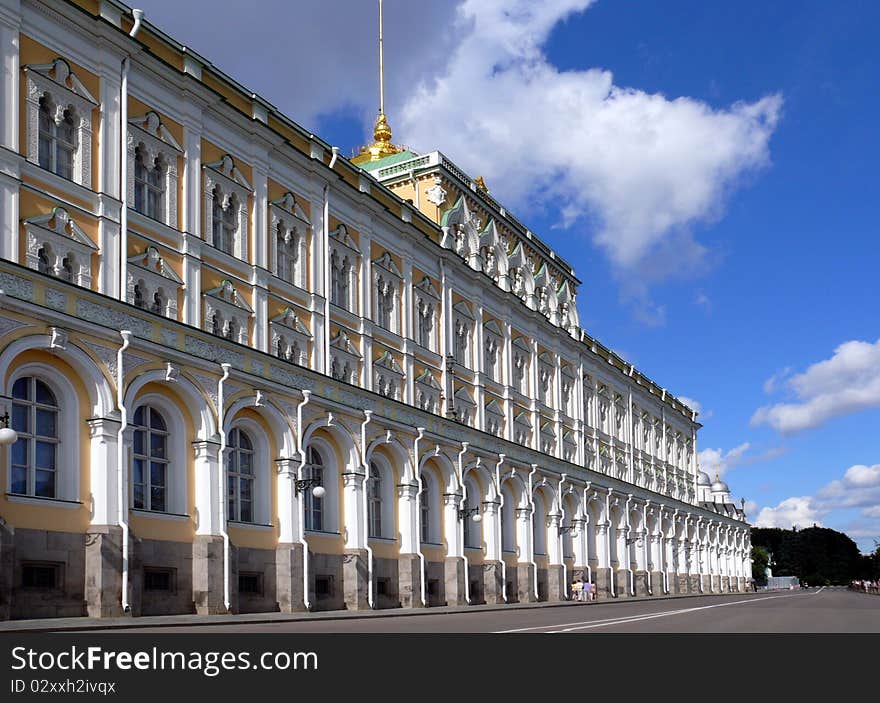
point(86, 623)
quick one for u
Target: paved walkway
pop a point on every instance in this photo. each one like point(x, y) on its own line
point(153, 621)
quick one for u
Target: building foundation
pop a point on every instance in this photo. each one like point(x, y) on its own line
point(355, 579)
point(409, 579)
point(493, 583)
point(453, 573)
point(207, 575)
point(103, 571)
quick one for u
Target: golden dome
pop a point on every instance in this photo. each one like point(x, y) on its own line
point(381, 146)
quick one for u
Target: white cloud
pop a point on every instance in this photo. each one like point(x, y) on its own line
point(641, 169)
point(858, 489)
point(717, 460)
point(844, 384)
point(750, 507)
point(791, 511)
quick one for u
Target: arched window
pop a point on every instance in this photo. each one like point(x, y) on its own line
point(225, 222)
point(240, 476)
point(314, 507)
point(57, 142)
point(425, 498)
point(231, 330)
point(35, 416)
point(158, 305)
point(68, 266)
point(149, 475)
point(374, 501)
point(44, 260)
point(139, 300)
point(339, 272)
point(286, 252)
point(149, 186)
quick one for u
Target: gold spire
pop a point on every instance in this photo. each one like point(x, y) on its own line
point(381, 145)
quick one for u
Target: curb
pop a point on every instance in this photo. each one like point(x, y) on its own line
point(172, 621)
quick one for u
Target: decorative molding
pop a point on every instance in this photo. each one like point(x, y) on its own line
point(114, 319)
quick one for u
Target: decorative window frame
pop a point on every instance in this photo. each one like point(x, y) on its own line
point(568, 379)
point(388, 377)
point(226, 300)
point(289, 331)
point(386, 275)
point(262, 499)
point(522, 429)
point(427, 391)
point(493, 341)
point(66, 90)
point(521, 274)
point(465, 407)
point(569, 446)
point(546, 374)
point(342, 245)
point(522, 357)
point(344, 355)
point(545, 289)
point(64, 237)
point(149, 132)
point(463, 320)
point(225, 174)
point(427, 300)
point(287, 210)
point(494, 418)
point(150, 268)
point(548, 438)
point(177, 476)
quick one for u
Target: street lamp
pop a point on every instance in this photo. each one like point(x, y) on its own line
point(7, 434)
point(463, 514)
point(303, 484)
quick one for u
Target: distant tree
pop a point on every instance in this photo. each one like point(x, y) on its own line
point(760, 559)
point(817, 555)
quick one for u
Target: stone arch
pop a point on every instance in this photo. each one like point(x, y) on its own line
point(274, 418)
point(192, 396)
point(100, 392)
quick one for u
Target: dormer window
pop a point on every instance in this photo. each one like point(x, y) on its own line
point(59, 121)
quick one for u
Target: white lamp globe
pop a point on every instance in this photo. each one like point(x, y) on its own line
point(7, 436)
point(477, 517)
point(318, 491)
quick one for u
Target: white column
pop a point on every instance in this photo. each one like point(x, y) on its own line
point(524, 536)
point(10, 23)
point(479, 367)
point(491, 529)
point(354, 519)
point(289, 524)
point(408, 516)
point(554, 539)
point(192, 281)
point(533, 387)
point(603, 558)
point(207, 468)
point(507, 379)
point(453, 537)
point(579, 542)
point(103, 434)
point(405, 315)
point(191, 223)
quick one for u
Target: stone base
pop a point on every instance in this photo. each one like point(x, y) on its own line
point(525, 583)
point(557, 589)
point(682, 583)
point(289, 578)
point(658, 584)
point(454, 581)
point(705, 583)
point(409, 580)
point(621, 583)
point(104, 571)
point(725, 584)
point(716, 583)
point(7, 567)
point(493, 583)
point(355, 579)
point(207, 575)
point(694, 583)
point(603, 584)
point(640, 581)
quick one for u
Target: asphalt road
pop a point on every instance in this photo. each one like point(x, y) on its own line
point(809, 610)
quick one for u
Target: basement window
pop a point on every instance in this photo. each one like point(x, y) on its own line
point(43, 576)
point(323, 587)
point(250, 583)
point(159, 580)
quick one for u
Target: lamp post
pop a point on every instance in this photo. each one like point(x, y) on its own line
point(7, 434)
point(304, 484)
point(463, 514)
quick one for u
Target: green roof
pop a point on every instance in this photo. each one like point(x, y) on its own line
point(388, 160)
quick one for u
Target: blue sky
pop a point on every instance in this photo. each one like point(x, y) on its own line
point(718, 198)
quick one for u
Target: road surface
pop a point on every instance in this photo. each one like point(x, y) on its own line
point(808, 610)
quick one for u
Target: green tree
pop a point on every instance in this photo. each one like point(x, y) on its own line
point(760, 559)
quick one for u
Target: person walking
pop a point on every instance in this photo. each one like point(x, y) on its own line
point(576, 590)
point(587, 591)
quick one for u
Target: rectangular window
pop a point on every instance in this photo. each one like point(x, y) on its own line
point(383, 587)
point(323, 587)
point(250, 583)
point(159, 580)
point(40, 575)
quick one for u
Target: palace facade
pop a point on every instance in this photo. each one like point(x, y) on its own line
point(248, 374)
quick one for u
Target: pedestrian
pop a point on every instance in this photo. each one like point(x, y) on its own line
point(575, 590)
point(588, 591)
